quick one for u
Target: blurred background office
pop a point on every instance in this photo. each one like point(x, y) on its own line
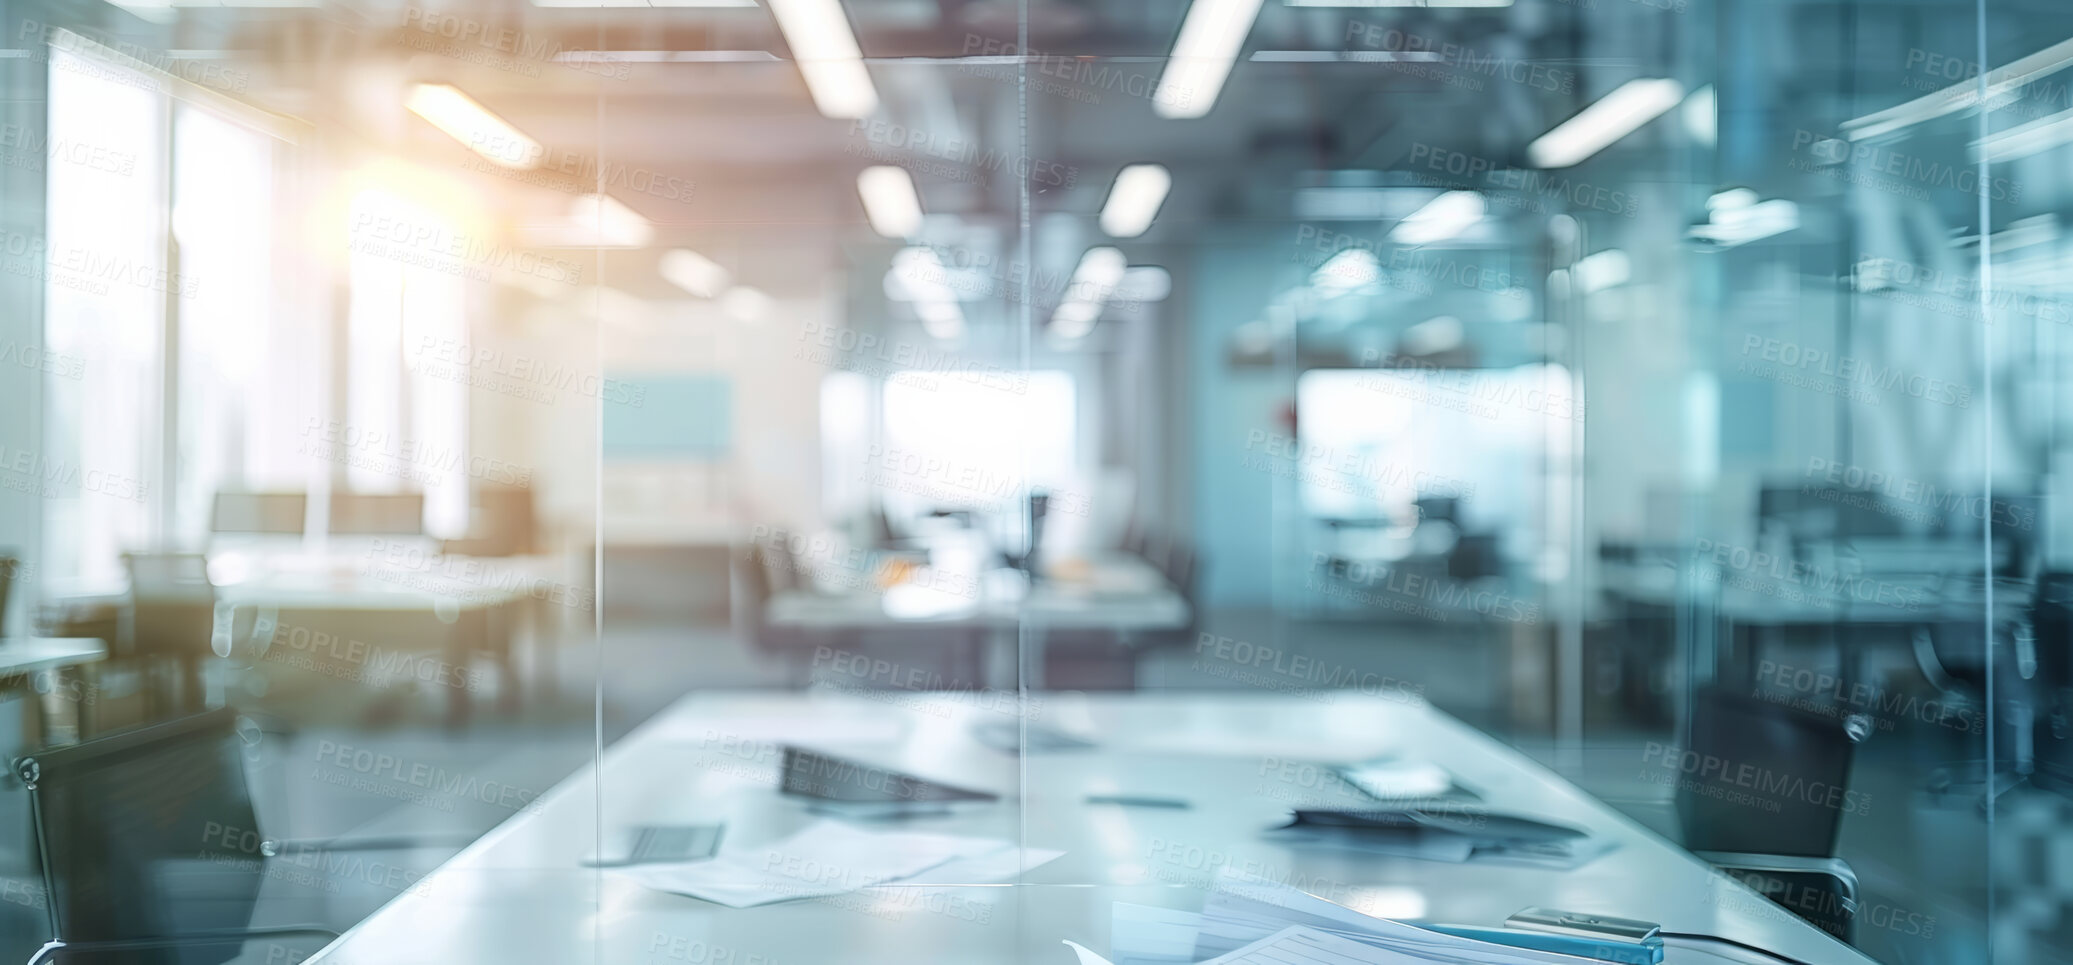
point(455, 384)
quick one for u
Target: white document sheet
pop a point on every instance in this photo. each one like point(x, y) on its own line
point(828, 858)
point(832, 858)
point(1308, 946)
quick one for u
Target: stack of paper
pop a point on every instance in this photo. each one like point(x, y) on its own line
point(831, 858)
point(1446, 833)
point(1251, 920)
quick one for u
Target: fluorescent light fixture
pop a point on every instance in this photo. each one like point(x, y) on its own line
point(1348, 271)
point(1134, 200)
point(605, 222)
point(1145, 283)
point(1731, 199)
point(1443, 217)
point(1093, 281)
point(828, 56)
point(693, 272)
point(746, 304)
point(1964, 94)
point(1346, 57)
point(2023, 140)
point(1699, 114)
point(666, 56)
point(890, 200)
point(446, 108)
point(1601, 270)
point(1735, 218)
point(1614, 116)
point(1441, 333)
point(1210, 38)
point(918, 276)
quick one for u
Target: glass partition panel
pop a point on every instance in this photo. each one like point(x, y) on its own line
point(777, 481)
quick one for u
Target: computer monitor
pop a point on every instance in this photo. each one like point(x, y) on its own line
point(264, 513)
point(377, 514)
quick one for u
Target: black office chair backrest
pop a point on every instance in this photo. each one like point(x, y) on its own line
point(148, 834)
point(172, 604)
point(1763, 777)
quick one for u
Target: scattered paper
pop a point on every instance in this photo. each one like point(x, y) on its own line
point(1298, 945)
point(832, 858)
point(1087, 956)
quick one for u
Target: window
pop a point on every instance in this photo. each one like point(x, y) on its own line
point(104, 303)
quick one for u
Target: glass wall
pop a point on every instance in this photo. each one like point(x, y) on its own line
point(735, 481)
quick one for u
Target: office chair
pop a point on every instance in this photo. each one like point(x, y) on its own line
point(149, 847)
point(2053, 682)
point(169, 622)
point(1952, 656)
point(1787, 853)
point(751, 605)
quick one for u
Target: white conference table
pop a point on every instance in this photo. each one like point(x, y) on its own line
point(25, 662)
point(520, 895)
point(1112, 592)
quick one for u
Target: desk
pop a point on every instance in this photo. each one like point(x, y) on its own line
point(22, 660)
point(518, 895)
point(475, 601)
point(1114, 592)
